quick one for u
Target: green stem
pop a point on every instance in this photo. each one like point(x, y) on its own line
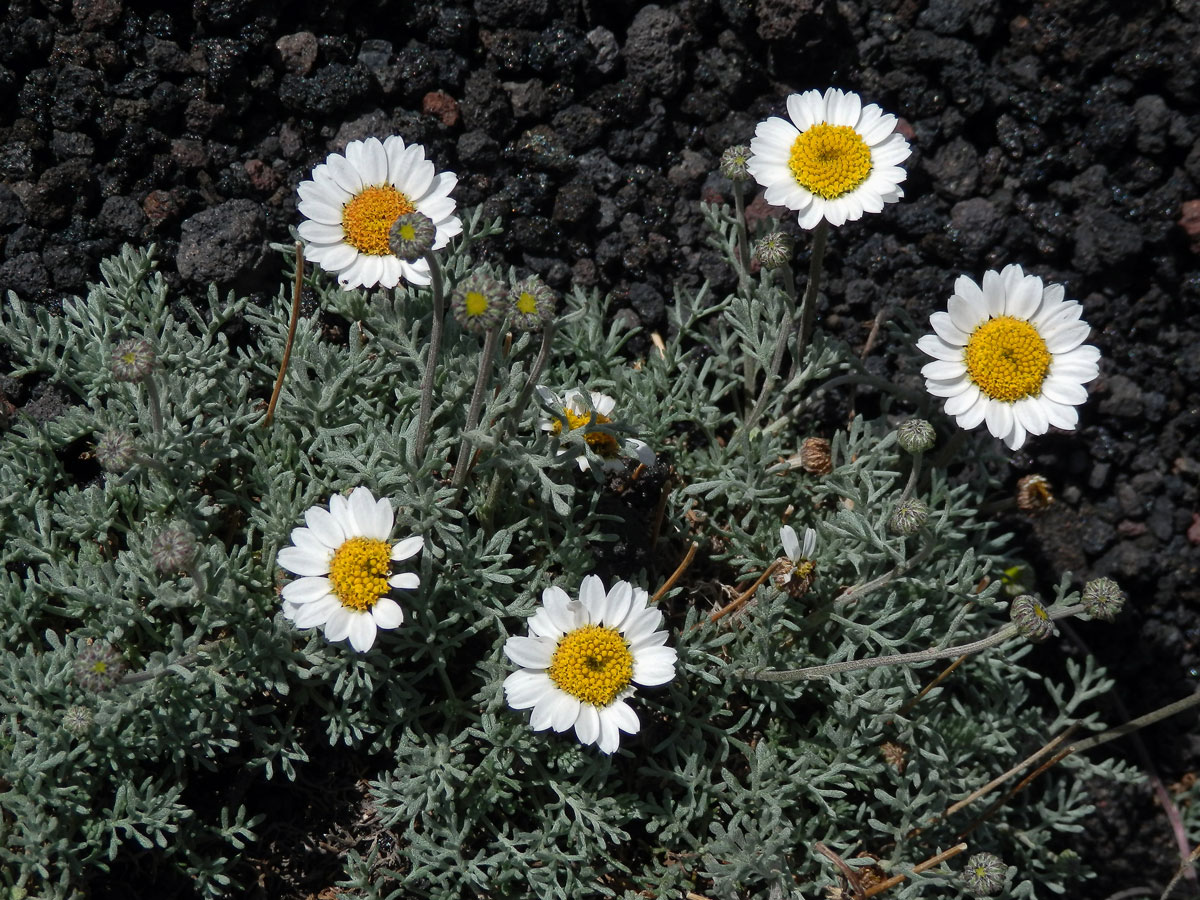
point(900, 659)
point(435, 343)
point(481, 381)
point(809, 307)
point(743, 238)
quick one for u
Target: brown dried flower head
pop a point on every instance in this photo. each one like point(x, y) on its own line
point(1033, 494)
point(815, 456)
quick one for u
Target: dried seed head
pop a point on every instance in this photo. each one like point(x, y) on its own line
point(98, 667)
point(908, 517)
point(115, 450)
point(735, 163)
point(1033, 494)
point(1103, 599)
point(173, 550)
point(1031, 619)
point(132, 359)
point(775, 250)
point(984, 875)
point(915, 436)
point(815, 456)
point(411, 236)
point(895, 755)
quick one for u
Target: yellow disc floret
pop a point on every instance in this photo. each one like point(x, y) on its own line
point(1007, 359)
point(359, 572)
point(368, 216)
point(476, 302)
point(592, 664)
point(601, 443)
point(526, 303)
point(830, 161)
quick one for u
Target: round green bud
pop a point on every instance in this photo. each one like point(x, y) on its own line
point(479, 302)
point(984, 875)
point(531, 302)
point(734, 163)
point(173, 550)
point(1031, 619)
point(132, 359)
point(915, 436)
point(115, 450)
point(1103, 599)
point(98, 667)
point(77, 720)
point(908, 517)
point(774, 251)
point(412, 236)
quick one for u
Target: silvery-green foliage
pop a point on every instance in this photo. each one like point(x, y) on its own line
point(730, 782)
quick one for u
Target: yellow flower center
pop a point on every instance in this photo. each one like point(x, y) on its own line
point(407, 232)
point(368, 216)
point(592, 664)
point(359, 572)
point(129, 358)
point(477, 303)
point(526, 303)
point(830, 161)
point(1007, 359)
point(601, 443)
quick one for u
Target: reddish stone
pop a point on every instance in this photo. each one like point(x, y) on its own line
point(442, 105)
point(1189, 221)
point(1193, 532)
point(905, 129)
point(159, 206)
point(262, 176)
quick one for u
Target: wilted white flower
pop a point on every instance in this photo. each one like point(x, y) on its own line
point(572, 412)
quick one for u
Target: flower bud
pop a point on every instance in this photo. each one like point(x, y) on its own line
point(734, 163)
point(1033, 494)
point(115, 450)
point(1031, 619)
point(77, 720)
point(479, 303)
point(173, 550)
point(915, 436)
point(775, 250)
point(984, 875)
point(412, 236)
point(815, 456)
point(98, 667)
point(531, 302)
point(1103, 599)
point(132, 360)
point(908, 517)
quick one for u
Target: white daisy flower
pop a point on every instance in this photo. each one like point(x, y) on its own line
point(582, 658)
point(1010, 354)
point(344, 557)
point(352, 201)
point(576, 413)
point(796, 569)
point(834, 160)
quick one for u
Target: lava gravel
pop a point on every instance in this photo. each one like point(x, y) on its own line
point(1059, 134)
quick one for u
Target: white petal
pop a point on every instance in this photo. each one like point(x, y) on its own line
point(811, 218)
point(417, 273)
point(654, 665)
point(405, 581)
point(532, 653)
point(407, 548)
point(640, 624)
point(387, 613)
point(362, 632)
point(543, 710)
point(1030, 414)
point(337, 626)
point(317, 613)
point(1016, 436)
point(560, 610)
point(1023, 298)
point(564, 710)
point(587, 725)
point(592, 595)
point(1067, 337)
point(623, 715)
point(610, 734)
point(932, 345)
point(640, 450)
point(967, 313)
point(966, 288)
point(344, 173)
point(618, 601)
point(1066, 392)
point(320, 233)
point(298, 562)
point(322, 524)
point(392, 271)
point(999, 419)
point(309, 543)
point(947, 330)
point(972, 417)
point(791, 544)
point(338, 258)
point(957, 405)
point(306, 590)
point(1060, 415)
point(944, 369)
point(374, 162)
point(361, 506)
point(947, 388)
point(524, 688)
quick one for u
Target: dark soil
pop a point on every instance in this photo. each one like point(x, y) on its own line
point(1060, 134)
